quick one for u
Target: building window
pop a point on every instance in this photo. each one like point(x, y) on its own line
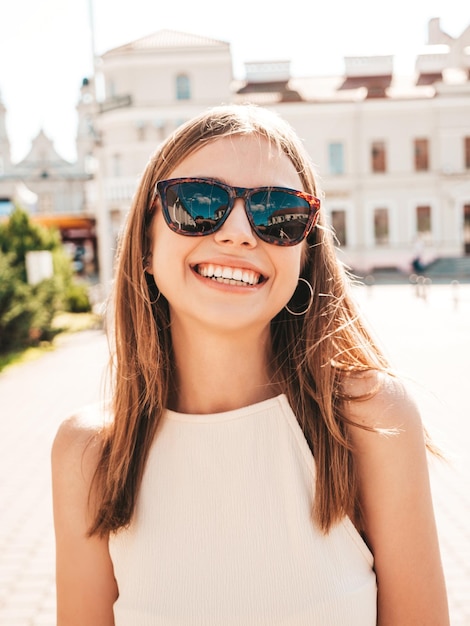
point(381, 228)
point(6, 206)
point(421, 147)
point(379, 156)
point(183, 87)
point(466, 228)
point(336, 158)
point(467, 152)
point(338, 222)
point(423, 220)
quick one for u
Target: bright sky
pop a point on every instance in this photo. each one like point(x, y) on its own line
point(46, 49)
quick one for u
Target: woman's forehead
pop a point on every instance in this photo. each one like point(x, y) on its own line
point(245, 160)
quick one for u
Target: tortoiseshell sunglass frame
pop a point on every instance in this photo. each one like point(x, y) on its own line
point(234, 193)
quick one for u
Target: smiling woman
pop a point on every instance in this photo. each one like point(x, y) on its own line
point(261, 465)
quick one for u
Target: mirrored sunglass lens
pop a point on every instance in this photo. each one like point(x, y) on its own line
point(279, 214)
point(196, 207)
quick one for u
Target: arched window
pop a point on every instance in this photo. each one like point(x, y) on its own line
point(183, 87)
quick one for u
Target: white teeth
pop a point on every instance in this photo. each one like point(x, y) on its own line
point(237, 275)
point(229, 275)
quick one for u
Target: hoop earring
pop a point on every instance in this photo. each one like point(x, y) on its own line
point(310, 299)
point(154, 292)
point(152, 302)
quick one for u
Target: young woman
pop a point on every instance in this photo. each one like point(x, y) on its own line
point(261, 465)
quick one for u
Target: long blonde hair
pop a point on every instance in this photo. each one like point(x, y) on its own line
point(310, 352)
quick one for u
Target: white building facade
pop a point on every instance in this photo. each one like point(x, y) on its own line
point(52, 190)
point(392, 153)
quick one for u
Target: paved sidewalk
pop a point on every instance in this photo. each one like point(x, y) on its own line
point(427, 340)
point(34, 398)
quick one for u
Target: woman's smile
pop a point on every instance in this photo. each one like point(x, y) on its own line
point(229, 275)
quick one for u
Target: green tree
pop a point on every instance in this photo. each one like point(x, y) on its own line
point(27, 311)
point(19, 235)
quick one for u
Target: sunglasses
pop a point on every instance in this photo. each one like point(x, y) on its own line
point(199, 206)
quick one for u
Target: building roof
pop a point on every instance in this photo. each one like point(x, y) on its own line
point(327, 89)
point(43, 154)
point(168, 40)
point(44, 162)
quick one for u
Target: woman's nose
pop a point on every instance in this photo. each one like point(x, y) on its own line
point(236, 230)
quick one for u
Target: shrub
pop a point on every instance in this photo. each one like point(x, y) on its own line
point(77, 299)
point(16, 312)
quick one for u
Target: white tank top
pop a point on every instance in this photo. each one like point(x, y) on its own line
point(222, 533)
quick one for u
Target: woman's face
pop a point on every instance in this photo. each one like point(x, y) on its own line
point(183, 267)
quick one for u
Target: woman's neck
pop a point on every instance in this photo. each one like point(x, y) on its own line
point(217, 372)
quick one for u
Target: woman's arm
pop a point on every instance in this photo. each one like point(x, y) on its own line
point(396, 503)
point(86, 588)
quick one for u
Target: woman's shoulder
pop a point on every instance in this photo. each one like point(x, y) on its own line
point(394, 502)
point(79, 439)
point(86, 588)
point(380, 401)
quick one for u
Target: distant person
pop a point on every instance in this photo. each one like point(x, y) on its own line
point(417, 262)
point(417, 265)
point(260, 465)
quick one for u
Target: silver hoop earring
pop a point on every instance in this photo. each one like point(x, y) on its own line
point(310, 299)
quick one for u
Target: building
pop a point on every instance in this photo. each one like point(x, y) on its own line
point(392, 152)
point(53, 191)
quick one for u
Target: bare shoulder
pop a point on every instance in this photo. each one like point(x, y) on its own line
point(381, 401)
point(386, 433)
point(394, 497)
point(79, 437)
point(86, 588)
point(75, 454)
